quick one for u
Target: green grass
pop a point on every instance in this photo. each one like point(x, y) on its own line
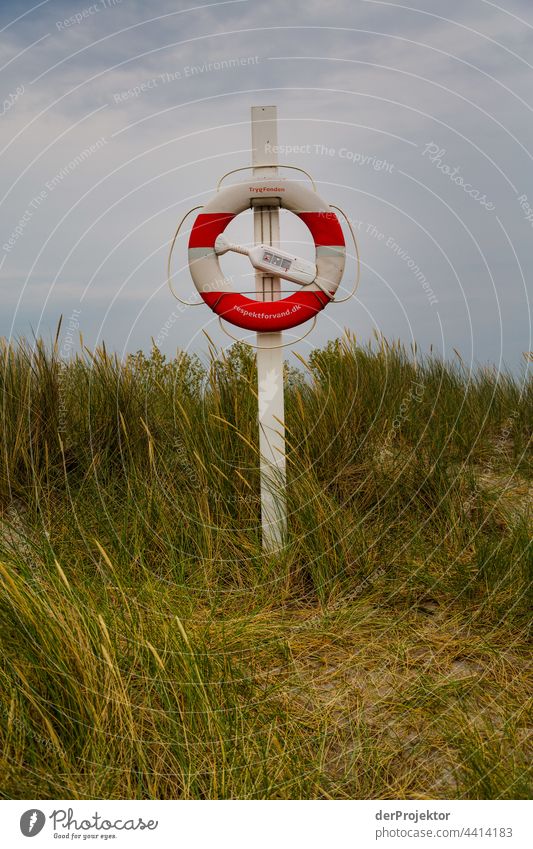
point(150, 648)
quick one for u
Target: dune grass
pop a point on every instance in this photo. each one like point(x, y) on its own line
point(151, 650)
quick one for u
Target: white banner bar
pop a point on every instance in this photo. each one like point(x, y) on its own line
point(267, 825)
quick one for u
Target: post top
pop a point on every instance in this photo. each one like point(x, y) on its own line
point(267, 109)
point(265, 139)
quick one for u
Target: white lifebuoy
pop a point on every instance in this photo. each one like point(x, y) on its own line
point(217, 291)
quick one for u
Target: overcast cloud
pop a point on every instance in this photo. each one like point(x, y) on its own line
point(379, 97)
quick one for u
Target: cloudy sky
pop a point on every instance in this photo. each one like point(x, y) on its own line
point(118, 116)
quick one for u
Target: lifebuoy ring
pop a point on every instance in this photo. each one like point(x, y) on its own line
point(296, 308)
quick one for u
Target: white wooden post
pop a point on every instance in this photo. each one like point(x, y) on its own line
point(269, 352)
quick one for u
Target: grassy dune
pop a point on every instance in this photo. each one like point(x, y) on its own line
point(149, 648)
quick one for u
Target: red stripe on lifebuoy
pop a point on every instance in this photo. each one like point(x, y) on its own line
point(324, 226)
point(207, 227)
point(266, 315)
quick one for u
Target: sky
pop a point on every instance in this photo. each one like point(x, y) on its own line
point(118, 116)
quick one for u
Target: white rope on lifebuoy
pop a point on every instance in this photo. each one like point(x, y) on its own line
point(253, 167)
point(356, 246)
point(169, 261)
point(270, 347)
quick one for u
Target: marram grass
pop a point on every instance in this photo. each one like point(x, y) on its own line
point(151, 650)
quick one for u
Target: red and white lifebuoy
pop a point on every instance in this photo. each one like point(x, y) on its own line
point(217, 291)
